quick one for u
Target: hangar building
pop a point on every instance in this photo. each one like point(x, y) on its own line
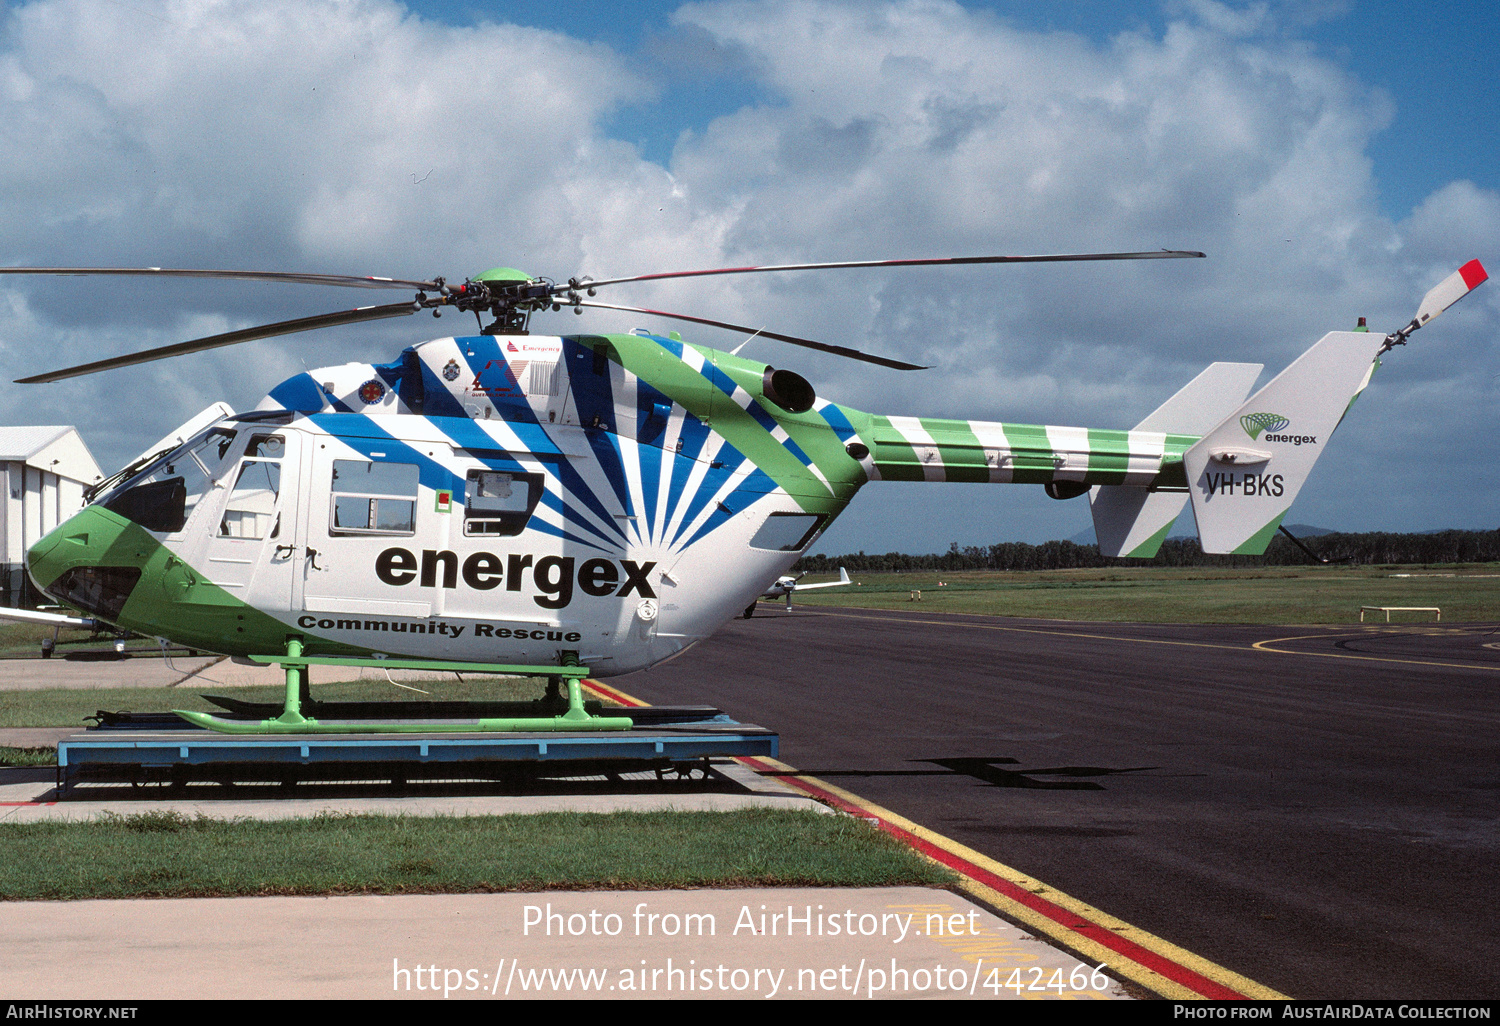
point(45, 469)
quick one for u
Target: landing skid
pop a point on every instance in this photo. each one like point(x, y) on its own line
point(575, 717)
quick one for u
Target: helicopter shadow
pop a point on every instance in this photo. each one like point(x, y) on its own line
point(988, 771)
point(702, 777)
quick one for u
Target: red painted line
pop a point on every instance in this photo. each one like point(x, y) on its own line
point(605, 691)
point(1473, 273)
point(1145, 957)
point(27, 803)
point(1159, 964)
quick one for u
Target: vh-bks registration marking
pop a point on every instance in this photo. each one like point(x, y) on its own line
point(1247, 485)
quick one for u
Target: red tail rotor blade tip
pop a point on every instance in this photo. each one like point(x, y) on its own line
point(1473, 273)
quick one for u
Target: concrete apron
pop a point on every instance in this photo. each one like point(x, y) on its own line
point(752, 943)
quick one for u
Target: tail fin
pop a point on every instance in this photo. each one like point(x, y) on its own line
point(1244, 474)
point(1133, 521)
point(1278, 434)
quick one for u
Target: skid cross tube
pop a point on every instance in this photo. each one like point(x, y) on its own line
point(299, 693)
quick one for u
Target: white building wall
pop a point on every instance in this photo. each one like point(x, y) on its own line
point(43, 472)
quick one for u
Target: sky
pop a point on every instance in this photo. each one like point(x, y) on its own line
point(1334, 160)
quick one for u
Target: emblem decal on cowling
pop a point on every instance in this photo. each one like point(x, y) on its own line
point(451, 371)
point(372, 391)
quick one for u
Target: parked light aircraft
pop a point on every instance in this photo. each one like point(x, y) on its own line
point(607, 500)
point(787, 584)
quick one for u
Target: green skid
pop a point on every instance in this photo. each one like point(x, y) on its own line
point(291, 720)
point(303, 725)
point(437, 666)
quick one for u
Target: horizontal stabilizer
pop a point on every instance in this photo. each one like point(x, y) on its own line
point(1133, 521)
point(1244, 474)
point(843, 580)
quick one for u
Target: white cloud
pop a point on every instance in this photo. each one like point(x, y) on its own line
point(354, 137)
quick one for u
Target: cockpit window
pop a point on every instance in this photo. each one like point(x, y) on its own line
point(162, 496)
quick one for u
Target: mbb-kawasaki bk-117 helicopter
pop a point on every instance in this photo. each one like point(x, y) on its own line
point(598, 503)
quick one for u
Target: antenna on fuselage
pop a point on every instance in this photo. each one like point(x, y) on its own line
point(736, 350)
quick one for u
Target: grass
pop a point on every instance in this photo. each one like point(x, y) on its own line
point(67, 707)
point(25, 640)
point(166, 854)
point(27, 756)
point(1260, 595)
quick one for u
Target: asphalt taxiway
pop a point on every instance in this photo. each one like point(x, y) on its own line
point(1314, 808)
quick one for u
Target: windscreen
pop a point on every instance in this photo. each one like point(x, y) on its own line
point(161, 496)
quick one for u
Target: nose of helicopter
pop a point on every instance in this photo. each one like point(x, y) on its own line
point(88, 562)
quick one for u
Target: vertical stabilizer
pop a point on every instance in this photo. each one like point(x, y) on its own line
point(1244, 474)
point(1134, 521)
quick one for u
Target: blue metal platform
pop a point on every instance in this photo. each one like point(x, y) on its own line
point(158, 753)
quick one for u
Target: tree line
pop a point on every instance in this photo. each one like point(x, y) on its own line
point(1362, 548)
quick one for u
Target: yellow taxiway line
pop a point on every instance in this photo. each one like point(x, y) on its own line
point(1258, 646)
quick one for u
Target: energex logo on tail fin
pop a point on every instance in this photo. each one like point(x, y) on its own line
point(1239, 496)
point(1255, 423)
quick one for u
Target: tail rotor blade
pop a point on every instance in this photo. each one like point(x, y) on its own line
point(1450, 290)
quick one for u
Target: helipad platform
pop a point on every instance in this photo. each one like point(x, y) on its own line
point(159, 748)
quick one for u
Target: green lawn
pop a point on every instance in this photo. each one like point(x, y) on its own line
point(164, 854)
point(1263, 595)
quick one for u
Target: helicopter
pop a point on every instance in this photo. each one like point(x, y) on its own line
point(604, 501)
point(787, 584)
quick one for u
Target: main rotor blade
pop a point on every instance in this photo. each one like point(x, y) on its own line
point(228, 338)
point(1160, 254)
point(345, 280)
point(822, 347)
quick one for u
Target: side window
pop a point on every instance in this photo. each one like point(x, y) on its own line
point(252, 504)
point(499, 504)
point(373, 498)
point(269, 447)
point(787, 532)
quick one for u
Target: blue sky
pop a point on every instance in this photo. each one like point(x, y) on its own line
point(1333, 159)
point(1436, 61)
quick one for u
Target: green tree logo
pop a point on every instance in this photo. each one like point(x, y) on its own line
point(1255, 423)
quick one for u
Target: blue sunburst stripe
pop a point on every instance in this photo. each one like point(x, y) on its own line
point(593, 397)
point(430, 473)
point(468, 435)
point(730, 458)
point(522, 421)
point(723, 382)
point(692, 433)
point(756, 483)
point(555, 503)
point(651, 454)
